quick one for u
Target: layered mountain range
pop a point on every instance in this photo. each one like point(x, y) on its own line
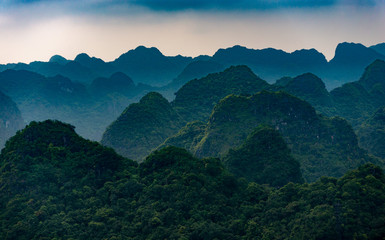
point(149, 66)
point(257, 151)
point(89, 88)
point(217, 123)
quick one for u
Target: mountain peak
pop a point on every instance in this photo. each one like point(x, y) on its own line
point(354, 52)
point(81, 57)
point(142, 51)
point(154, 99)
point(49, 131)
point(309, 79)
point(58, 59)
point(86, 60)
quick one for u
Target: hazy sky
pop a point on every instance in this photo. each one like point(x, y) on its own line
point(37, 29)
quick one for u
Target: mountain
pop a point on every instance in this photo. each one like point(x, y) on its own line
point(308, 87)
point(264, 158)
point(10, 118)
point(90, 108)
point(320, 144)
point(144, 65)
point(346, 66)
point(380, 48)
point(54, 184)
point(58, 59)
point(357, 101)
point(195, 100)
point(51, 177)
point(142, 127)
point(145, 127)
point(354, 54)
point(39, 97)
point(116, 83)
point(270, 63)
point(349, 61)
point(96, 65)
point(194, 70)
point(371, 134)
point(150, 66)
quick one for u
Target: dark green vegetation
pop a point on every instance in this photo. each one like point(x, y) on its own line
point(142, 127)
point(264, 158)
point(323, 146)
point(10, 118)
point(196, 99)
point(357, 101)
point(308, 87)
point(372, 134)
point(311, 137)
point(56, 185)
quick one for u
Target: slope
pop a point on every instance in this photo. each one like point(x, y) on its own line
point(10, 118)
point(142, 127)
point(357, 101)
point(323, 146)
point(195, 100)
point(371, 134)
point(264, 158)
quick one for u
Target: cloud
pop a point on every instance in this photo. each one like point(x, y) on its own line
point(38, 29)
point(230, 4)
point(196, 5)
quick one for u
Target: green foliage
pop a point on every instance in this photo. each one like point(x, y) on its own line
point(309, 88)
point(372, 134)
point(142, 127)
point(323, 146)
point(145, 125)
point(357, 101)
point(56, 185)
point(187, 137)
point(264, 158)
point(196, 99)
point(52, 182)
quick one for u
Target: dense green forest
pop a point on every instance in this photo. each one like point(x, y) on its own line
point(322, 145)
point(57, 185)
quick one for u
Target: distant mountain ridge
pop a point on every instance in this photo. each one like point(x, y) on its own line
point(151, 67)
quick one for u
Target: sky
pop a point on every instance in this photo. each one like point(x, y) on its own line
point(35, 30)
